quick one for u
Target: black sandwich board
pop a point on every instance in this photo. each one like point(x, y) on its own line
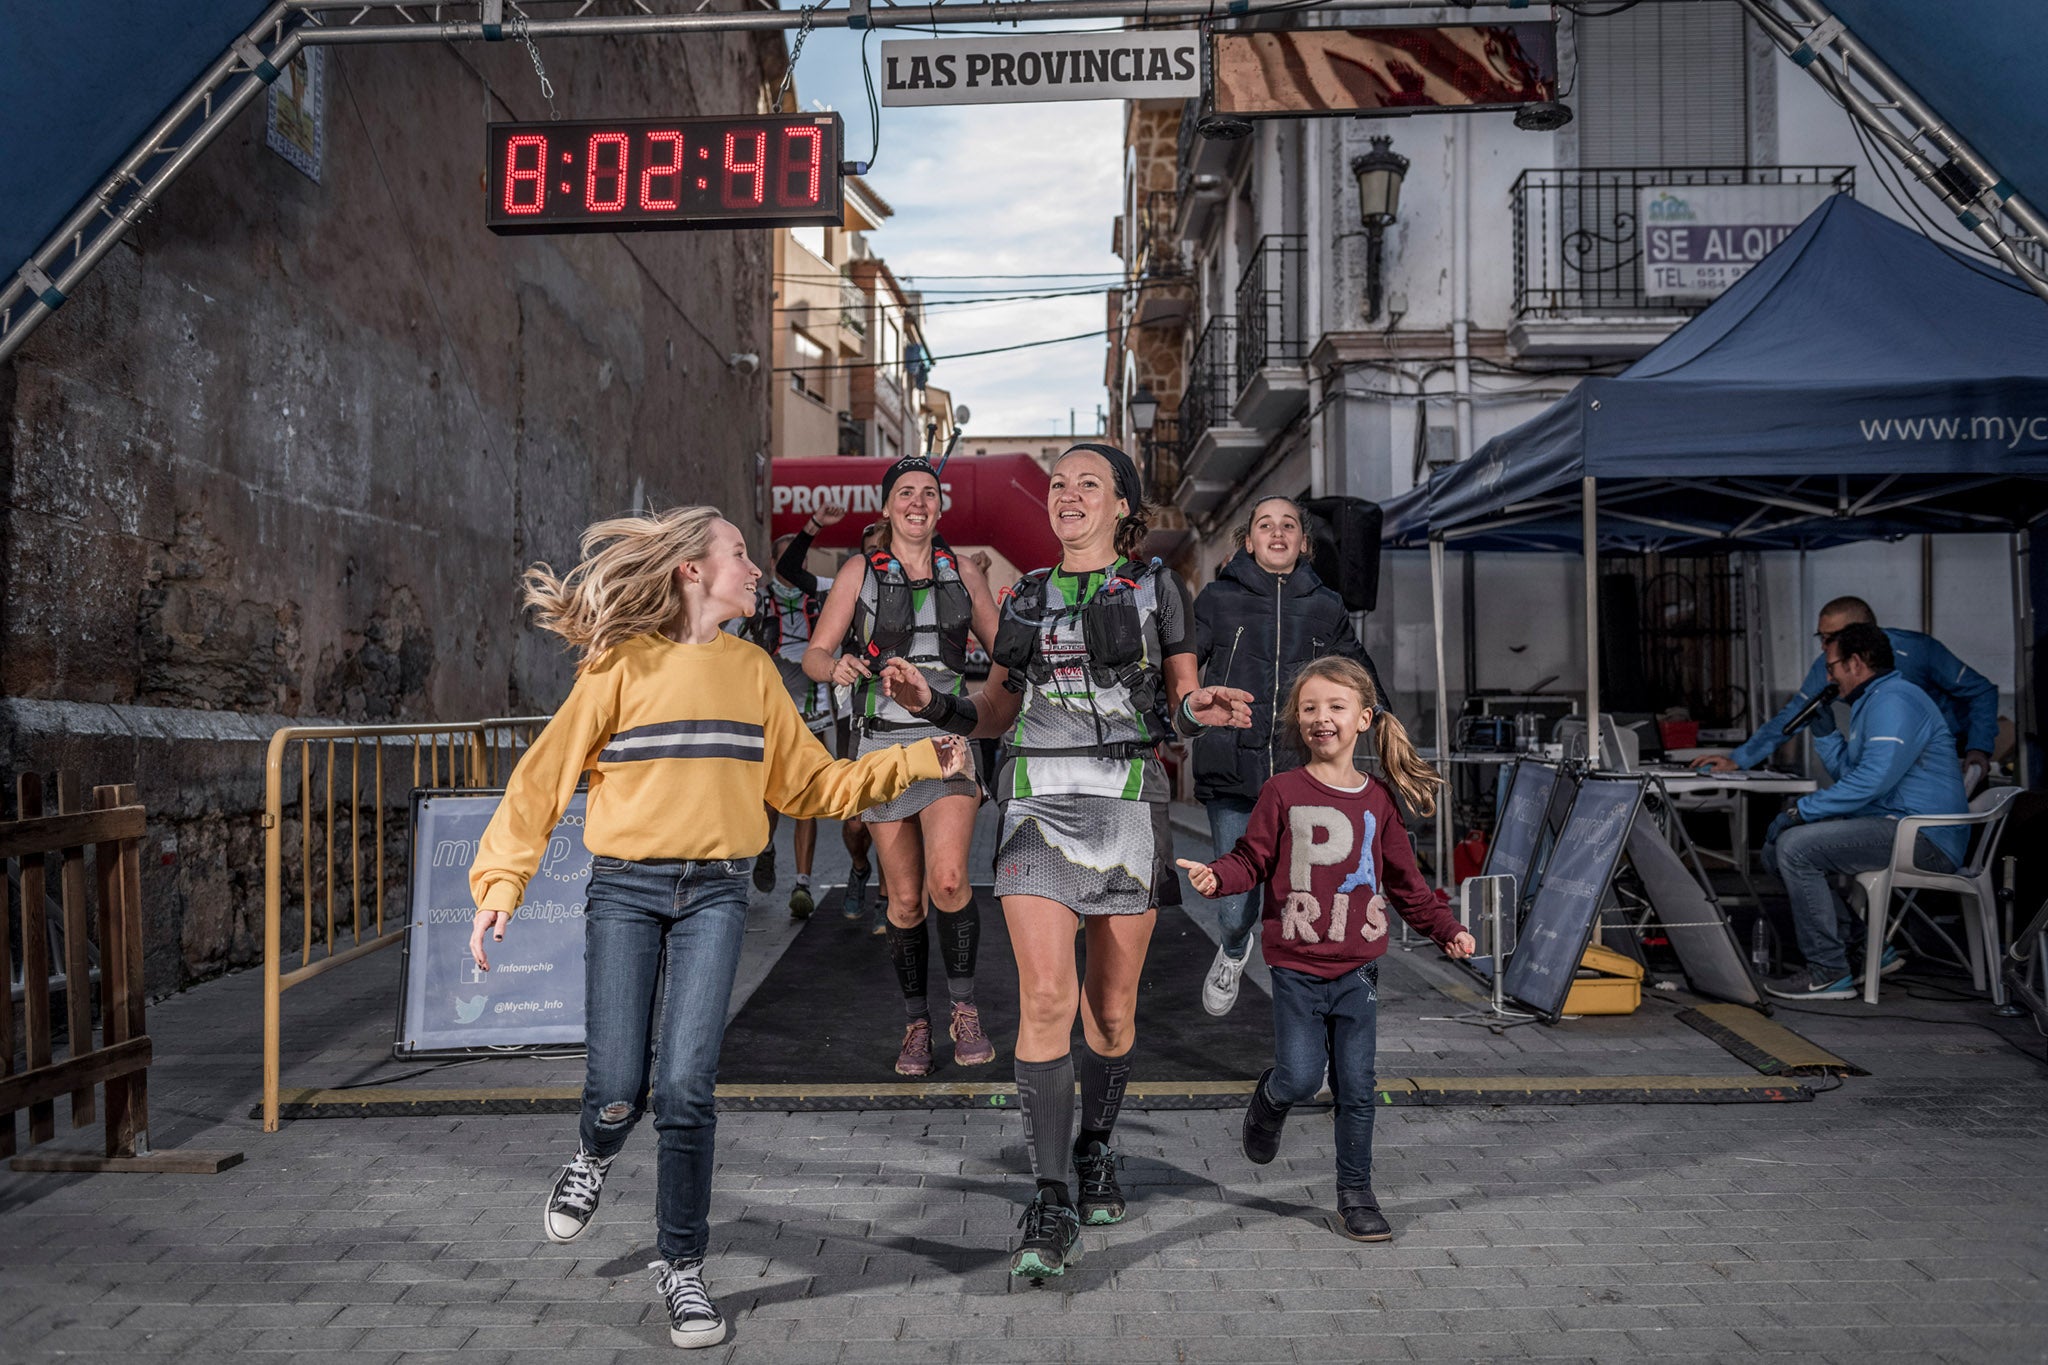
point(1561, 917)
point(532, 997)
point(1520, 830)
point(1692, 921)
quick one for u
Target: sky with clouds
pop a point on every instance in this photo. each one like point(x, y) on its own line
point(1002, 188)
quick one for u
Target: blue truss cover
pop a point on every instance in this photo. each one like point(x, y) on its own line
point(81, 82)
point(1977, 65)
point(1858, 358)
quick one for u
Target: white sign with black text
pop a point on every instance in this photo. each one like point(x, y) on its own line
point(1121, 65)
point(1699, 239)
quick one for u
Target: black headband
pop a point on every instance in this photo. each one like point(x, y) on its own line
point(909, 464)
point(1122, 468)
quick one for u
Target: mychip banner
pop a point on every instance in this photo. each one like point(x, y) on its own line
point(533, 994)
point(1122, 65)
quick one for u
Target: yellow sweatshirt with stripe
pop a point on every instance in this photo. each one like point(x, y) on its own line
point(683, 743)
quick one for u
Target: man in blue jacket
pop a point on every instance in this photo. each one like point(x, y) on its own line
point(1898, 760)
point(1967, 699)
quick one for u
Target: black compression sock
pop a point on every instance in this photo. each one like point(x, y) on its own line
point(911, 950)
point(1045, 1092)
point(1102, 1091)
point(959, 940)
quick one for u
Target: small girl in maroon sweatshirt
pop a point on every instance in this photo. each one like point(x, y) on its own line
point(1330, 848)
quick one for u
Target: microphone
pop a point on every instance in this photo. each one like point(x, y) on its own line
point(1825, 697)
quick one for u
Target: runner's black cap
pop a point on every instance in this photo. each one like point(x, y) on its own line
point(909, 464)
point(1129, 486)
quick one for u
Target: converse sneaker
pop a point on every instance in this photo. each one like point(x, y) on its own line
point(1804, 985)
point(1052, 1238)
point(574, 1198)
point(915, 1057)
point(1219, 987)
point(1360, 1219)
point(1263, 1121)
point(693, 1319)
point(971, 1046)
point(800, 902)
point(1102, 1199)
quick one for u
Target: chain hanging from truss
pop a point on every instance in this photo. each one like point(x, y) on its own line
point(796, 49)
point(547, 88)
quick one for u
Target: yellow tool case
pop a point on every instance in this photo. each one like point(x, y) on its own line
point(1606, 983)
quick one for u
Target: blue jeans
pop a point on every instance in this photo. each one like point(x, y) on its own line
point(1334, 1023)
point(1804, 856)
point(1228, 820)
point(661, 943)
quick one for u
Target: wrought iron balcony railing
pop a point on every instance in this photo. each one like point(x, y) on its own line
point(1270, 323)
point(1162, 447)
point(1212, 381)
point(1578, 233)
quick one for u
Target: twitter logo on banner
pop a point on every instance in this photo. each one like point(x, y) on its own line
point(467, 1011)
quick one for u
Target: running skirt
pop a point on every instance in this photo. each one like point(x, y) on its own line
point(922, 792)
point(1096, 855)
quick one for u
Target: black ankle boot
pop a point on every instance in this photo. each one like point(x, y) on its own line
point(1263, 1121)
point(1360, 1219)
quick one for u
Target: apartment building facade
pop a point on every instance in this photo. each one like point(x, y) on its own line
point(1251, 321)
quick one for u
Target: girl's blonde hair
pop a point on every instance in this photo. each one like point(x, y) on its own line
point(1414, 779)
point(626, 584)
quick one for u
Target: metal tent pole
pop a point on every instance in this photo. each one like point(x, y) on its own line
point(1590, 534)
point(1978, 207)
point(1443, 711)
point(2023, 648)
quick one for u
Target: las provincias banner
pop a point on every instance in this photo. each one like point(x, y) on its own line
point(993, 500)
point(1123, 65)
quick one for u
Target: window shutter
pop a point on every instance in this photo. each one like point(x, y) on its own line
point(1663, 85)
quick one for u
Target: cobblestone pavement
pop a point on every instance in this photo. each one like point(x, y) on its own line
point(1902, 1216)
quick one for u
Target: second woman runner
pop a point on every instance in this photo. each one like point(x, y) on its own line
point(914, 600)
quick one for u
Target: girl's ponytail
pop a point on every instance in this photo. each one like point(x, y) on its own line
point(1404, 768)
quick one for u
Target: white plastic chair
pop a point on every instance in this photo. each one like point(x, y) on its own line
point(1971, 880)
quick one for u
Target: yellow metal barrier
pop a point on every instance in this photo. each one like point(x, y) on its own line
point(475, 754)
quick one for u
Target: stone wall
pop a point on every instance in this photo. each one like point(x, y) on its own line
point(282, 456)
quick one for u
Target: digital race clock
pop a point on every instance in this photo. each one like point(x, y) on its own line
point(641, 174)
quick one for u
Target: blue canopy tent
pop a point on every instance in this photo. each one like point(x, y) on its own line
point(1860, 383)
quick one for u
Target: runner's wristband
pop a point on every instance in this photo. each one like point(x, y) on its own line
point(954, 715)
point(1184, 722)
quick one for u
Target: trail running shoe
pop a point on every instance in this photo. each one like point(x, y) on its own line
point(971, 1046)
point(853, 902)
point(1263, 1121)
point(1219, 987)
point(1360, 1219)
point(800, 902)
point(764, 870)
point(573, 1199)
point(1802, 985)
point(693, 1319)
point(915, 1058)
point(1102, 1200)
point(1052, 1238)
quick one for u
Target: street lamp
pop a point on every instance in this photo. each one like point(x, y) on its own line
point(1379, 173)
point(1144, 410)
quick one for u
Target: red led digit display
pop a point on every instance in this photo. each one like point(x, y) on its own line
point(631, 175)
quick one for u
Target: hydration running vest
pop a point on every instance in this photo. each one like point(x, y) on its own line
point(1113, 633)
point(892, 631)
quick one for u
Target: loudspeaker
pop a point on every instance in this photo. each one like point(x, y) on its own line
point(1348, 548)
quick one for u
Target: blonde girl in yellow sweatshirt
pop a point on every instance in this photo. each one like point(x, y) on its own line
point(684, 731)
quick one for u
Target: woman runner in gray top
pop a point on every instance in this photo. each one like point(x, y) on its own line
point(914, 602)
point(1091, 659)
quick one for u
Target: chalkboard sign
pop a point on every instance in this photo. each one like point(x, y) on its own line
point(1561, 917)
point(533, 994)
point(1518, 832)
